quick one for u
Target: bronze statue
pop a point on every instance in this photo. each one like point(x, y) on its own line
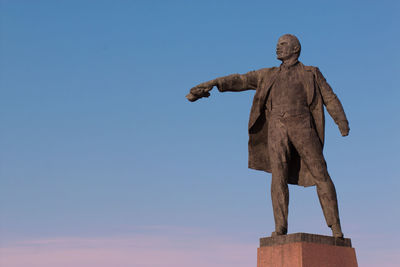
point(286, 128)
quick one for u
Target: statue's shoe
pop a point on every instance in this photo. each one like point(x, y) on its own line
point(337, 230)
point(276, 234)
point(282, 231)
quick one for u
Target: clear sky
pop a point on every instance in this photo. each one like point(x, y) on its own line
point(105, 163)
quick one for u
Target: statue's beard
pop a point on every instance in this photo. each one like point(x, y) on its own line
point(282, 56)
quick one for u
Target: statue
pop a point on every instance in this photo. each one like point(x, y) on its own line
point(286, 128)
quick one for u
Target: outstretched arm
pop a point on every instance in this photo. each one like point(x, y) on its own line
point(232, 83)
point(332, 103)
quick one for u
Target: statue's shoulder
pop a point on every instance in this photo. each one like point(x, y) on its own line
point(311, 68)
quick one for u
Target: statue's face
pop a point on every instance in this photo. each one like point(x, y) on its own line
point(285, 48)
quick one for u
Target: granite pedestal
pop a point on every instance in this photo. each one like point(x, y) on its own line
point(305, 250)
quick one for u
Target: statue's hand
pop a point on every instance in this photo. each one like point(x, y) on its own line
point(199, 91)
point(344, 128)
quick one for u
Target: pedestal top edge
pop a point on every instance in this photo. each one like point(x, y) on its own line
point(304, 237)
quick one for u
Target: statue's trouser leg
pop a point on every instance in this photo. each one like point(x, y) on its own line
point(278, 153)
point(280, 199)
point(306, 141)
point(327, 198)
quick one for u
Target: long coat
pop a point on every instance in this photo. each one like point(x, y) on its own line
point(319, 93)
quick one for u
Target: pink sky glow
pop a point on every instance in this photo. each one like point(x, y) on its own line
point(121, 252)
point(187, 249)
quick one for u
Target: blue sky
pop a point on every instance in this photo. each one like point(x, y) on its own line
point(99, 144)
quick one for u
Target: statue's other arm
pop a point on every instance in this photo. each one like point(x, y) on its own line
point(231, 83)
point(332, 103)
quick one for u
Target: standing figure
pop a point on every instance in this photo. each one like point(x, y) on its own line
point(286, 128)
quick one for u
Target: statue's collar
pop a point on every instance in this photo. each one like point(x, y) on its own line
point(288, 64)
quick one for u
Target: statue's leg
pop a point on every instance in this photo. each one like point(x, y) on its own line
point(280, 198)
point(278, 153)
point(308, 145)
point(328, 200)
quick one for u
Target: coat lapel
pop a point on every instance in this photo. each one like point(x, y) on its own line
point(308, 83)
point(261, 96)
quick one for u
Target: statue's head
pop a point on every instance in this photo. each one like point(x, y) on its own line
point(288, 46)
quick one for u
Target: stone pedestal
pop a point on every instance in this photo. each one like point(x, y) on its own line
point(305, 250)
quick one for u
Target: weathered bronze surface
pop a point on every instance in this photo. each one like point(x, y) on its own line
point(286, 128)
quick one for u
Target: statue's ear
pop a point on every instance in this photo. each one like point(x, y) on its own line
point(296, 49)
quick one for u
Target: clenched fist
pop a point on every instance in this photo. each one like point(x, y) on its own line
point(344, 128)
point(201, 90)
